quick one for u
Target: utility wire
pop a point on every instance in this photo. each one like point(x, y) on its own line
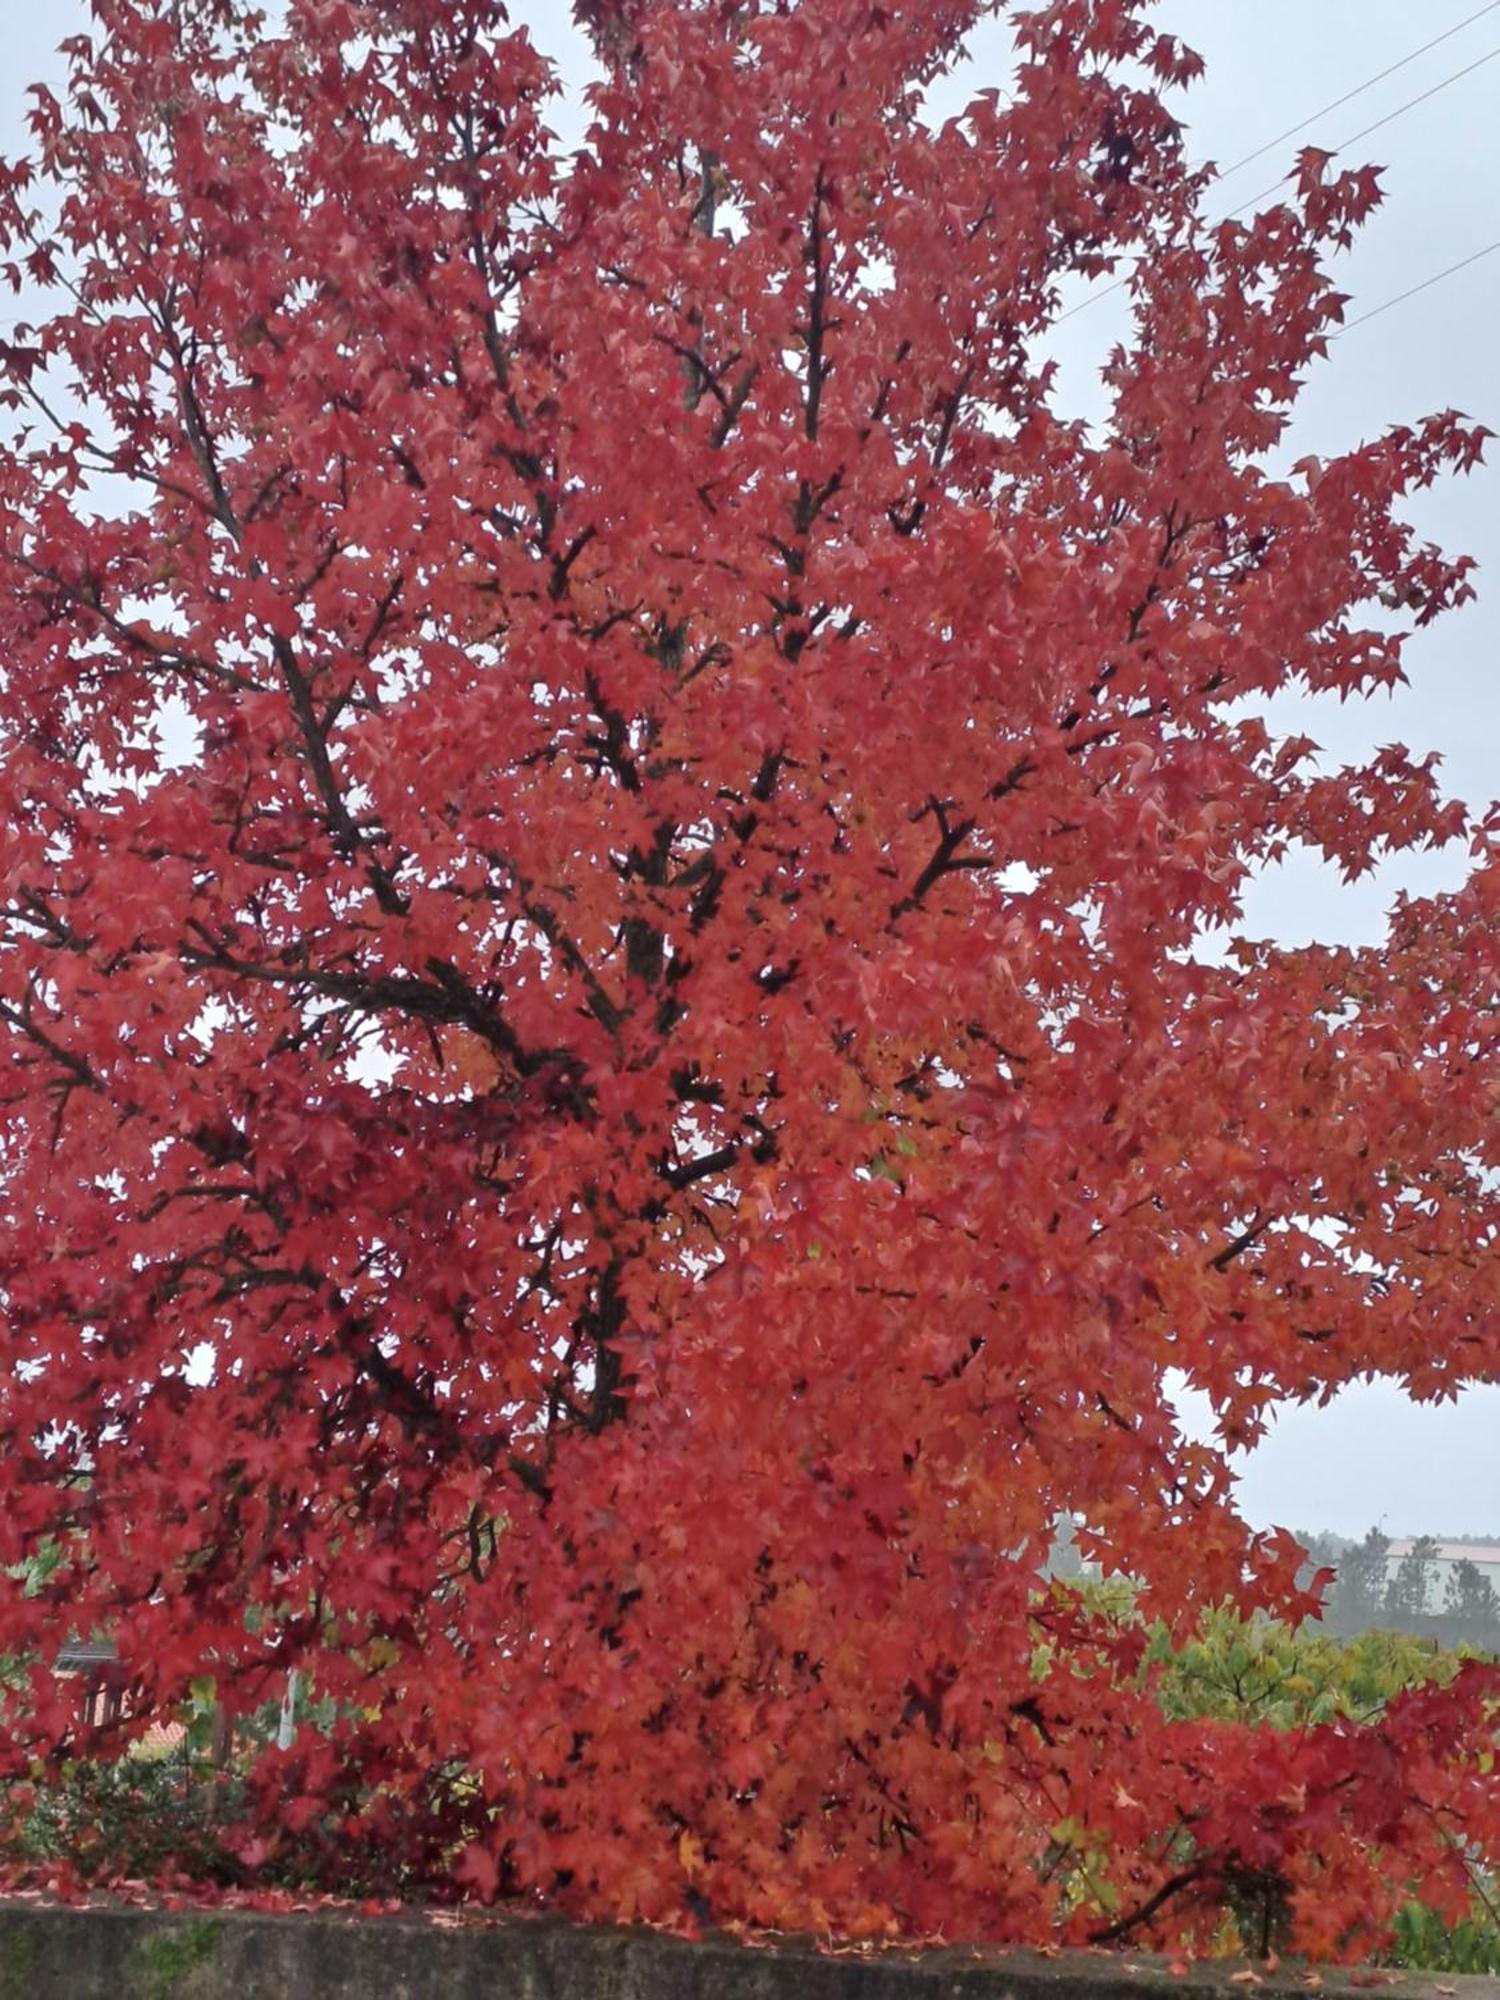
point(1412, 290)
point(1375, 125)
point(1353, 139)
point(1358, 91)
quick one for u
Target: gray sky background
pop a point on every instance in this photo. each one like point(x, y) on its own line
point(1371, 1456)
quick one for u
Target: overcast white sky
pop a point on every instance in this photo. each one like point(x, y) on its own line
point(1371, 1456)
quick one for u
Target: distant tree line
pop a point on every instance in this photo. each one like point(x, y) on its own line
point(1370, 1593)
point(1421, 1592)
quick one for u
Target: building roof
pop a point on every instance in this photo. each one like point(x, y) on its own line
point(78, 1655)
point(159, 1740)
point(1486, 1555)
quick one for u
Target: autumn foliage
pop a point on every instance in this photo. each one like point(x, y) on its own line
point(620, 1073)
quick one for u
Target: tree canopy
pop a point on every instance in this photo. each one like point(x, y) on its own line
point(653, 1099)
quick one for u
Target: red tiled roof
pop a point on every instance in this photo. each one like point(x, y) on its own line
point(159, 1740)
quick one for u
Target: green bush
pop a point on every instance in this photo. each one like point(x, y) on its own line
point(1425, 1943)
point(1254, 1669)
point(136, 1818)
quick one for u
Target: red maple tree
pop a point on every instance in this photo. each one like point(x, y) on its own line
point(634, 1111)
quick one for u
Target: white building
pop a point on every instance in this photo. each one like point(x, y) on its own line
point(1446, 1556)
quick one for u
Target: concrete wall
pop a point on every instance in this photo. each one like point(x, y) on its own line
point(49, 1953)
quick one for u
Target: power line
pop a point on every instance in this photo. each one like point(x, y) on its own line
point(1353, 139)
point(1358, 90)
point(1412, 290)
point(1375, 125)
